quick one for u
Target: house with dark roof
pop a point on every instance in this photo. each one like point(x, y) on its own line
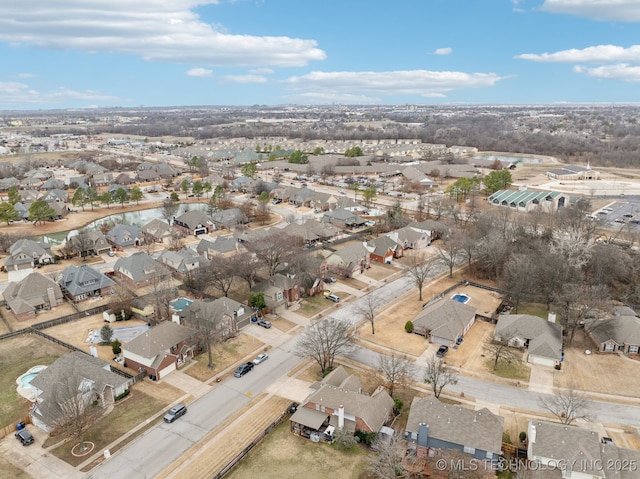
point(225, 314)
point(123, 179)
point(279, 291)
point(77, 379)
point(140, 270)
point(160, 350)
point(227, 219)
point(193, 223)
point(433, 425)
point(384, 249)
point(338, 402)
point(577, 453)
point(124, 236)
point(343, 218)
point(541, 339)
point(31, 295)
point(185, 263)
point(619, 332)
point(220, 246)
point(573, 172)
point(96, 242)
point(79, 283)
point(410, 238)
point(27, 254)
point(350, 260)
point(444, 321)
point(312, 232)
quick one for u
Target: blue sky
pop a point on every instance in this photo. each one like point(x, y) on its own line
point(87, 53)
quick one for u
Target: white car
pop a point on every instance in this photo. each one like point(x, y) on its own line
point(260, 357)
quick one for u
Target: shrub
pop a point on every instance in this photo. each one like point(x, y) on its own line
point(365, 437)
point(408, 327)
point(123, 395)
point(397, 406)
point(506, 438)
point(522, 436)
point(116, 346)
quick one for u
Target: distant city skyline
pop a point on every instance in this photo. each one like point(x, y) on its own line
point(117, 53)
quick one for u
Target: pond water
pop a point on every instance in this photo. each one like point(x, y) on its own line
point(507, 158)
point(138, 218)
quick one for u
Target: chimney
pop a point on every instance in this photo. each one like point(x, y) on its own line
point(341, 417)
point(552, 317)
point(423, 434)
point(51, 296)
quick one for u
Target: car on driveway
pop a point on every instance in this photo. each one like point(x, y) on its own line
point(260, 358)
point(264, 323)
point(175, 412)
point(24, 437)
point(442, 350)
point(333, 297)
point(243, 369)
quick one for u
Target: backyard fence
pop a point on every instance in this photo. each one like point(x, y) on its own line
point(256, 440)
point(12, 428)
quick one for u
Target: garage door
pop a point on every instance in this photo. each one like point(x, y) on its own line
point(163, 372)
point(541, 361)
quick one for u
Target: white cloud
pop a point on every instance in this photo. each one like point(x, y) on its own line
point(428, 84)
point(621, 71)
point(330, 98)
point(199, 72)
point(606, 10)
point(17, 93)
point(443, 51)
point(26, 75)
point(261, 71)
point(596, 54)
point(243, 79)
point(155, 30)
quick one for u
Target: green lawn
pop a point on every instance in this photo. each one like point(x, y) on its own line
point(534, 309)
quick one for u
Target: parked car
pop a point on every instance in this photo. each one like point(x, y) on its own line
point(442, 350)
point(243, 369)
point(330, 280)
point(333, 297)
point(24, 437)
point(260, 358)
point(607, 440)
point(175, 412)
point(327, 292)
point(264, 323)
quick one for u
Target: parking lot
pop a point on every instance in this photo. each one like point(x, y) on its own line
point(619, 214)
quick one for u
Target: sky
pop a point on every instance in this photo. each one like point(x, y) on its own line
point(58, 54)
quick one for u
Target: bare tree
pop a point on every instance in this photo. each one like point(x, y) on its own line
point(72, 406)
point(448, 252)
point(420, 271)
point(169, 209)
point(367, 307)
point(498, 348)
point(386, 462)
point(220, 274)
point(245, 266)
point(275, 250)
point(120, 301)
point(163, 292)
point(567, 405)
point(81, 244)
point(208, 327)
point(438, 375)
point(176, 240)
point(323, 340)
point(576, 301)
point(396, 371)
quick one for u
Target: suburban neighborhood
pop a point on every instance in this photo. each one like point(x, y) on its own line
point(403, 309)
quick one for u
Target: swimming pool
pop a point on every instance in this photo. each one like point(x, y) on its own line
point(180, 304)
point(461, 298)
point(25, 380)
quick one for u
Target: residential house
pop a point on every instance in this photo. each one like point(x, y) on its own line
point(577, 453)
point(227, 316)
point(61, 209)
point(52, 184)
point(343, 218)
point(444, 321)
point(140, 270)
point(349, 260)
point(227, 219)
point(157, 231)
point(620, 332)
point(26, 254)
point(384, 249)
point(337, 402)
point(433, 425)
point(279, 291)
point(410, 238)
point(31, 295)
point(147, 175)
point(541, 339)
point(55, 194)
point(101, 179)
point(96, 242)
point(77, 379)
point(124, 236)
point(80, 283)
point(123, 179)
point(220, 246)
point(160, 350)
point(312, 232)
point(433, 229)
point(193, 223)
point(165, 170)
point(185, 263)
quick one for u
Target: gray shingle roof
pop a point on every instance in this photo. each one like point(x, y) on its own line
point(140, 267)
point(445, 318)
point(158, 339)
point(545, 338)
point(456, 424)
point(83, 279)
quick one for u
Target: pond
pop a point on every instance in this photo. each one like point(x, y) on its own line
point(509, 159)
point(138, 218)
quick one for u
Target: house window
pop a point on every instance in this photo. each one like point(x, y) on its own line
point(469, 450)
point(609, 348)
point(633, 349)
point(489, 455)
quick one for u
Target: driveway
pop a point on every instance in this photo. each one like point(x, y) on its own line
point(541, 379)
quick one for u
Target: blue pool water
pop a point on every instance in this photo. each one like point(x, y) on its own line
point(180, 304)
point(25, 381)
point(461, 298)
